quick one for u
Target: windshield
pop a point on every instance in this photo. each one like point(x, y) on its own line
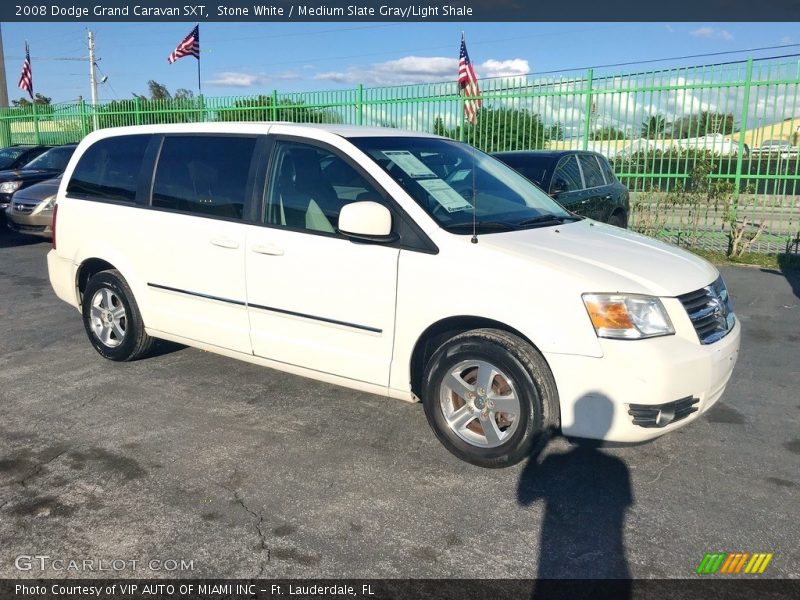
point(452, 180)
point(55, 159)
point(9, 155)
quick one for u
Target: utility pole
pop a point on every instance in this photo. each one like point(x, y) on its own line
point(92, 78)
point(3, 85)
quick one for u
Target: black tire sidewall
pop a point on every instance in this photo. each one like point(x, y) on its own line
point(126, 349)
point(531, 412)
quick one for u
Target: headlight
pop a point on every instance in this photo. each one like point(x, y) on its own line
point(627, 316)
point(51, 202)
point(9, 187)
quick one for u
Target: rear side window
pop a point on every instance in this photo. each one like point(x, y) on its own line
point(109, 169)
point(567, 177)
point(204, 175)
point(591, 171)
point(607, 170)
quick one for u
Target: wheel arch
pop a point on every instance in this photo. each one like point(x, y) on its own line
point(441, 331)
point(87, 269)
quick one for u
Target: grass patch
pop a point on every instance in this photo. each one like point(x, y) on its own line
point(780, 262)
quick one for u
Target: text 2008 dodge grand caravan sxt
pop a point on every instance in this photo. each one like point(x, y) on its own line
point(397, 263)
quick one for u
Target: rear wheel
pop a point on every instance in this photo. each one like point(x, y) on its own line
point(490, 397)
point(112, 319)
point(619, 219)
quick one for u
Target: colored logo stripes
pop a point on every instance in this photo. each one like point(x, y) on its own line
point(734, 563)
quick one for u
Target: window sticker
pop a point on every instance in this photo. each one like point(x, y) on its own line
point(447, 197)
point(409, 163)
point(459, 175)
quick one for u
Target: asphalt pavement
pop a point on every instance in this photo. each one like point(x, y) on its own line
point(190, 464)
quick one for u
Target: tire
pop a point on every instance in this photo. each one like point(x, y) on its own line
point(457, 406)
point(112, 319)
point(619, 219)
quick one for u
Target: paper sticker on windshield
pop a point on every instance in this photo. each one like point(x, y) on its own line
point(409, 163)
point(459, 175)
point(446, 196)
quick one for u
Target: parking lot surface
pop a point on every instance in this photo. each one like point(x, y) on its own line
point(242, 471)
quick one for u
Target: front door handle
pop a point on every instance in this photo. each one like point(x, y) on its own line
point(270, 249)
point(225, 243)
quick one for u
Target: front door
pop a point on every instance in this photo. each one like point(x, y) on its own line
point(316, 299)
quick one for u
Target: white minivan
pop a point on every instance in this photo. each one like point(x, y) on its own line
point(397, 263)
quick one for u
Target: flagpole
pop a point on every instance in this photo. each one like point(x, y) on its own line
point(199, 84)
point(33, 96)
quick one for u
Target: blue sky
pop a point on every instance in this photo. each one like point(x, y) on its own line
point(252, 58)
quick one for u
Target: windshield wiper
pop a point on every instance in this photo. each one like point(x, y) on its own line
point(481, 226)
point(548, 219)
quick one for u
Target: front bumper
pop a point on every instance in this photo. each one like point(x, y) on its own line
point(597, 394)
point(36, 223)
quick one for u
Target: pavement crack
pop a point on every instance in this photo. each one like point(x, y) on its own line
point(37, 470)
point(259, 527)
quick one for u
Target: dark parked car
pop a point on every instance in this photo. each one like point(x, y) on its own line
point(46, 166)
point(582, 182)
point(15, 157)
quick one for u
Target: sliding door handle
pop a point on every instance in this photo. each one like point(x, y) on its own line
point(225, 243)
point(270, 249)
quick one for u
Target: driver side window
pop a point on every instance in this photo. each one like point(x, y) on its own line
point(308, 186)
point(567, 177)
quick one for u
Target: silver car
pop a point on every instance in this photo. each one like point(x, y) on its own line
point(31, 209)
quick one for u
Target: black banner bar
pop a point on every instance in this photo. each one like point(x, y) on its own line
point(398, 10)
point(706, 588)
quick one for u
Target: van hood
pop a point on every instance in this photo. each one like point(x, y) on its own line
point(608, 259)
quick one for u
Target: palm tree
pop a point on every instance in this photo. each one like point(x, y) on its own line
point(654, 126)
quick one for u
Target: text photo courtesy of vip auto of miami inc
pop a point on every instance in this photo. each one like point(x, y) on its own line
point(401, 301)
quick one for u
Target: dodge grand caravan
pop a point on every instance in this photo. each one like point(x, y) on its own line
point(396, 263)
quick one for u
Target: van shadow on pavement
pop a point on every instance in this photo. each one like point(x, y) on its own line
point(586, 494)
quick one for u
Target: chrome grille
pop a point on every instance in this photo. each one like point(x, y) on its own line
point(710, 310)
point(23, 208)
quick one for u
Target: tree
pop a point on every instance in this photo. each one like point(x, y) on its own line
point(556, 132)
point(654, 127)
point(261, 109)
point(38, 99)
point(502, 128)
point(703, 123)
point(607, 133)
point(158, 91)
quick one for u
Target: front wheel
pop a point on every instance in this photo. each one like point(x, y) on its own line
point(112, 319)
point(490, 397)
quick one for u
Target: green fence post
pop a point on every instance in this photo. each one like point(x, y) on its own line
point(587, 124)
point(36, 124)
point(137, 110)
point(274, 106)
point(360, 104)
point(748, 79)
point(5, 129)
point(82, 117)
point(462, 134)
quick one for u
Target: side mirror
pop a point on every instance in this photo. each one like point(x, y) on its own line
point(559, 187)
point(366, 220)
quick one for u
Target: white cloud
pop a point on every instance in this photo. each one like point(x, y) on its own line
point(712, 33)
point(246, 80)
point(422, 69)
point(787, 39)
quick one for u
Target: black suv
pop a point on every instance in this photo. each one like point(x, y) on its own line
point(582, 182)
point(46, 166)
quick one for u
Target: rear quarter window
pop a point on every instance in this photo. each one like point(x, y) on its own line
point(109, 169)
point(591, 170)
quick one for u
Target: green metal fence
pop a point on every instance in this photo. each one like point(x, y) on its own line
point(702, 148)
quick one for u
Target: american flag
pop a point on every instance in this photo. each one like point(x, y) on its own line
point(190, 46)
point(26, 77)
point(468, 83)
